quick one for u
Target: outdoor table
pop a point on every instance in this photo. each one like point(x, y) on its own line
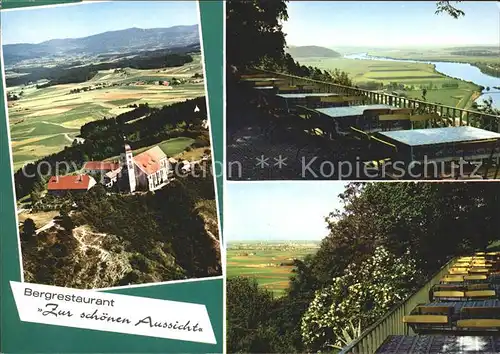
point(271, 80)
point(351, 111)
point(291, 100)
point(264, 88)
point(442, 144)
point(457, 305)
point(349, 116)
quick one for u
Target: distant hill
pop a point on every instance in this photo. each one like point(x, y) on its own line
point(311, 51)
point(128, 40)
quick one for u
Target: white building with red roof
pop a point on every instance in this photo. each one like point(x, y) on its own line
point(100, 169)
point(62, 185)
point(111, 177)
point(100, 166)
point(146, 171)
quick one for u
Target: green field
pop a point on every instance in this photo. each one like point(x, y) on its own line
point(170, 147)
point(439, 54)
point(262, 261)
point(414, 76)
point(44, 121)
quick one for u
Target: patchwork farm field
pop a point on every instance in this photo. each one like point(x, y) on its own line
point(414, 76)
point(45, 120)
point(442, 54)
point(269, 263)
point(175, 147)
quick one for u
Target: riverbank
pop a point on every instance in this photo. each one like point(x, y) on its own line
point(484, 67)
point(473, 99)
point(488, 69)
point(479, 88)
point(488, 62)
point(459, 71)
point(466, 101)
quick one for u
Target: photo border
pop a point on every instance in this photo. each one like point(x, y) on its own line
point(4, 87)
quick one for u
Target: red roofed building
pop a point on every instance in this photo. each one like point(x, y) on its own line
point(98, 169)
point(148, 170)
point(100, 166)
point(61, 185)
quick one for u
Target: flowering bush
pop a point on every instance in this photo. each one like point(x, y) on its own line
point(364, 293)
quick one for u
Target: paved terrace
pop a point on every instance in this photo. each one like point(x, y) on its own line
point(266, 141)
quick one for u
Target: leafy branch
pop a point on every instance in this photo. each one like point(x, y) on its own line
point(447, 7)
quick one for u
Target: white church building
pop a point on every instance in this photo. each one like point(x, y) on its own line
point(148, 170)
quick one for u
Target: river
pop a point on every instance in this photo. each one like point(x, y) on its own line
point(466, 72)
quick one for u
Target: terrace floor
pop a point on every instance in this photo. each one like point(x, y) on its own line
point(258, 149)
point(251, 155)
point(439, 344)
point(263, 146)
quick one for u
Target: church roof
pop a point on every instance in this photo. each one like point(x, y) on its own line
point(114, 173)
point(149, 160)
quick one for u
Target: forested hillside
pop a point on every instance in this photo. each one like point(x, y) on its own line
point(310, 51)
point(81, 73)
point(105, 240)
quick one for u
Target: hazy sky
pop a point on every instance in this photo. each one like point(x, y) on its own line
point(74, 21)
point(279, 210)
point(390, 23)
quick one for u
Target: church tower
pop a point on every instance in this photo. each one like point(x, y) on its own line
point(128, 168)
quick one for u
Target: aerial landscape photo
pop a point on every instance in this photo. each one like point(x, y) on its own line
point(362, 267)
point(366, 85)
point(110, 142)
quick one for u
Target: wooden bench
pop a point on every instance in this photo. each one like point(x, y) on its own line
point(475, 277)
point(449, 294)
point(420, 323)
point(422, 118)
point(480, 312)
point(483, 324)
point(433, 310)
point(421, 319)
point(479, 271)
point(483, 294)
point(453, 279)
point(484, 286)
point(355, 99)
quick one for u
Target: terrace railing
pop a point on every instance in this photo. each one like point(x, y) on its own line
point(455, 116)
point(392, 322)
